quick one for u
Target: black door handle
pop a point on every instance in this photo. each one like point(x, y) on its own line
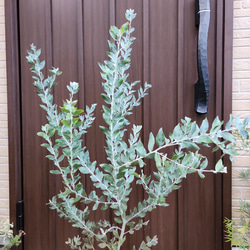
point(202, 20)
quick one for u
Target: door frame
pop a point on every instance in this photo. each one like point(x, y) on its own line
point(14, 110)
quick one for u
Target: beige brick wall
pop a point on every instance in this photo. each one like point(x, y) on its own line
point(241, 93)
point(4, 177)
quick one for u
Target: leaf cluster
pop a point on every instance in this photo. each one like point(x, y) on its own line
point(239, 233)
point(7, 236)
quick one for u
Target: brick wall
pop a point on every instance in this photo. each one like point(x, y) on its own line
point(4, 177)
point(241, 93)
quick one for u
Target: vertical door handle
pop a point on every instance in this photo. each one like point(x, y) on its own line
point(202, 20)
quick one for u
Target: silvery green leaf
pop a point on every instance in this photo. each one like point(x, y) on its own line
point(50, 157)
point(141, 163)
point(101, 245)
point(140, 149)
point(45, 145)
point(160, 138)
point(238, 122)
point(204, 164)
point(201, 174)
point(203, 139)
point(177, 133)
point(151, 142)
point(228, 137)
point(66, 123)
point(95, 206)
point(194, 130)
point(106, 98)
point(229, 123)
point(55, 172)
point(190, 145)
point(219, 166)
point(182, 171)
point(244, 133)
point(216, 125)
point(42, 135)
point(204, 126)
point(158, 160)
point(112, 47)
point(246, 121)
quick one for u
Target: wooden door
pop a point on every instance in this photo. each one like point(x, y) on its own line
point(73, 36)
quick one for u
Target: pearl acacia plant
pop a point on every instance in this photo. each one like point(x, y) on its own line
point(125, 159)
